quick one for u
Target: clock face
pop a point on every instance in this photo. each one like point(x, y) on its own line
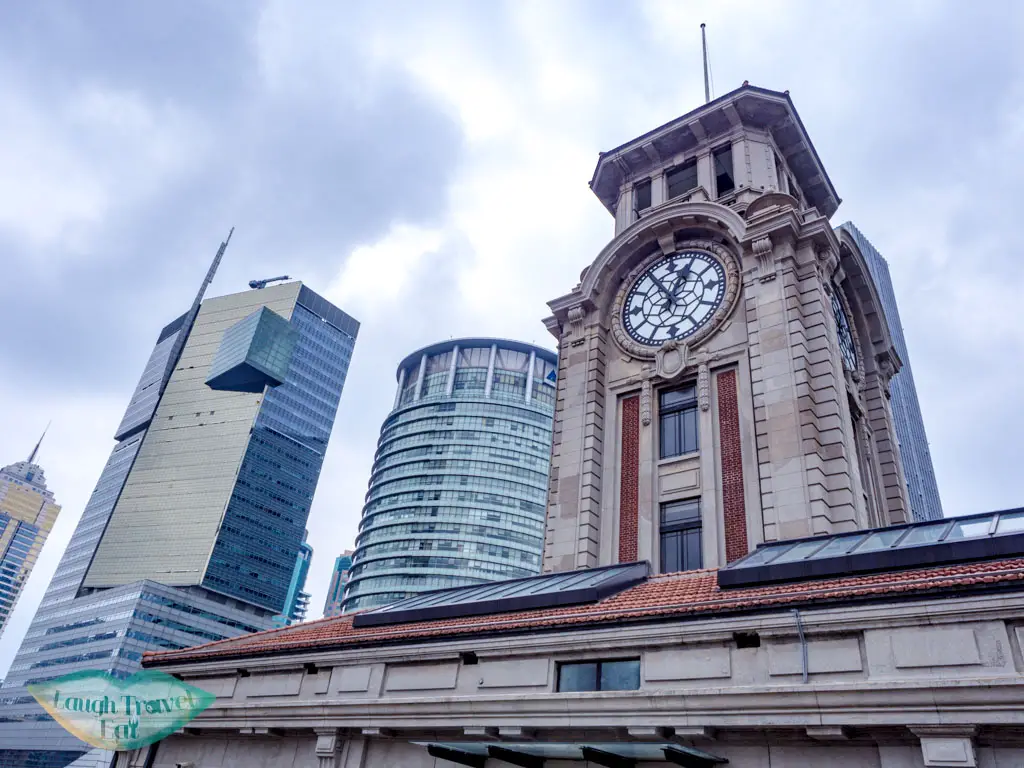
point(846, 345)
point(674, 297)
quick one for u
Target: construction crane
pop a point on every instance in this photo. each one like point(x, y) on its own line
point(257, 284)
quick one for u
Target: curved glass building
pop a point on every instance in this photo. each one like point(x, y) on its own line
point(460, 477)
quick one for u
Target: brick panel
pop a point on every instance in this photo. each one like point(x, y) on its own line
point(629, 479)
point(735, 513)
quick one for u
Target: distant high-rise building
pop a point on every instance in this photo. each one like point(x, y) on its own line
point(27, 513)
point(193, 530)
point(339, 578)
point(297, 600)
point(906, 410)
point(460, 479)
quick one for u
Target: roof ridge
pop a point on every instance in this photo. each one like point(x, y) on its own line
point(247, 636)
point(705, 596)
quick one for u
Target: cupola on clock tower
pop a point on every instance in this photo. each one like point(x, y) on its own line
point(724, 361)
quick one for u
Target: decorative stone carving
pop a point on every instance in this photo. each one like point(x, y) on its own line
point(703, 386)
point(666, 237)
point(765, 259)
point(671, 359)
point(576, 316)
point(732, 283)
point(828, 266)
point(645, 402)
point(328, 747)
point(887, 369)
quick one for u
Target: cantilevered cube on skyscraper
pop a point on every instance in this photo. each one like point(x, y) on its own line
point(255, 352)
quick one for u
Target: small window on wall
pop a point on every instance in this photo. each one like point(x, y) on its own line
point(682, 179)
point(722, 159)
point(642, 196)
point(680, 536)
point(677, 421)
point(617, 675)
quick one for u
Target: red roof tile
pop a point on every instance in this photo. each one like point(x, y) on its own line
point(675, 595)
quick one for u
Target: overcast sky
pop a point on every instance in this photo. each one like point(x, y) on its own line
point(425, 166)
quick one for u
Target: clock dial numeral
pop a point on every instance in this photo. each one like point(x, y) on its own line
point(674, 297)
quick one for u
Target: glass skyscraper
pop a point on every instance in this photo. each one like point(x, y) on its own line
point(339, 578)
point(296, 602)
point(27, 513)
point(194, 527)
point(460, 478)
point(906, 410)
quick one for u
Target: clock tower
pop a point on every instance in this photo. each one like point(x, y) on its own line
point(724, 362)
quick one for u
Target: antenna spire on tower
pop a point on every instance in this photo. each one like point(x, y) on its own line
point(704, 48)
point(32, 456)
point(190, 316)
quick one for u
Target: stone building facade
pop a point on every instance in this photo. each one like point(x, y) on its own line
point(730, 574)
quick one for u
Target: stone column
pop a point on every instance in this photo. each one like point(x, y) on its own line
point(706, 173)
point(947, 745)
point(659, 194)
point(624, 209)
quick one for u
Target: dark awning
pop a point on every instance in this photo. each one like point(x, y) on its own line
point(532, 754)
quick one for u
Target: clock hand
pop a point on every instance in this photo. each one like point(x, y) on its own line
point(668, 294)
point(680, 282)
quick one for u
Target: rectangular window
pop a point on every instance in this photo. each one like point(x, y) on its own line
point(682, 179)
point(677, 415)
point(722, 159)
point(616, 675)
point(680, 536)
point(642, 196)
point(794, 190)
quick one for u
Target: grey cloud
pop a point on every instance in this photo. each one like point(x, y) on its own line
point(305, 176)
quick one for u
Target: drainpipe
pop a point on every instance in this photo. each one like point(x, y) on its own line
point(803, 642)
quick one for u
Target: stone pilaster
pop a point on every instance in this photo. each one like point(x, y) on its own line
point(804, 459)
point(573, 530)
point(887, 451)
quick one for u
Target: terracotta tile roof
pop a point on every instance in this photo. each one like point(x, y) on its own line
point(677, 595)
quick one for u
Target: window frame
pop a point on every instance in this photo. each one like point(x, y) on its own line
point(597, 673)
point(686, 165)
point(646, 184)
point(689, 406)
point(715, 153)
point(681, 527)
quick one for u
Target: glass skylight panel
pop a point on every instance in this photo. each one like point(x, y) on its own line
point(926, 534)
point(800, 551)
point(765, 553)
point(1010, 523)
point(881, 540)
point(970, 529)
point(956, 540)
point(840, 545)
point(545, 591)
